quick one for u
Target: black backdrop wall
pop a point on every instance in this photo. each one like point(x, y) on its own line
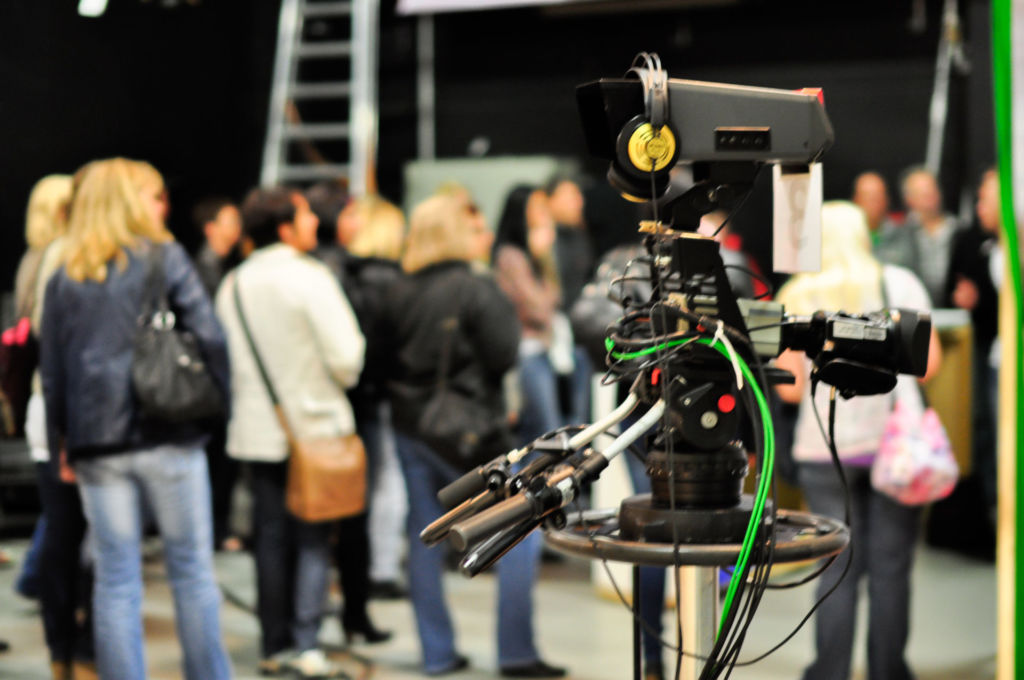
point(186, 88)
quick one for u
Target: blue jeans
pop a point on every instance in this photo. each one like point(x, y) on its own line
point(652, 579)
point(386, 493)
point(173, 482)
point(425, 474)
point(582, 373)
point(883, 534)
point(541, 411)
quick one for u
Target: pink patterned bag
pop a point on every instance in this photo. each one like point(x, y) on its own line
point(915, 463)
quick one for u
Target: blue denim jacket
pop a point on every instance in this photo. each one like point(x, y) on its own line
point(86, 354)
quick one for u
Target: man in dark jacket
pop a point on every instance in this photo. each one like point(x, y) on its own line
point(218, 220)
point(221, 225)
point(970, 287)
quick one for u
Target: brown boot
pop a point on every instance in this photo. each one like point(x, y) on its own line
point(60, 670)
point(84, 670)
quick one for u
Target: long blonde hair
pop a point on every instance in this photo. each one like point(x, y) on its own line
point(382, 230)
point(850, 278)
point(45, 217)
point(108, 216)
point(439, 229)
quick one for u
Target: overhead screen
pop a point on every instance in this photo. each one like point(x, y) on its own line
point(434, 6)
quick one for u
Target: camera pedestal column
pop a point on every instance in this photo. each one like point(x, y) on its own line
point(698, 611)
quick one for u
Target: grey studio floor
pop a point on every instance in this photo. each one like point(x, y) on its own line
point(953, 625)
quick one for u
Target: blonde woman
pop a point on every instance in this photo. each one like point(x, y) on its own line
point(883, 532)
point(122, 459)
point(54, 574)
point(445, 238)
point(369, 549)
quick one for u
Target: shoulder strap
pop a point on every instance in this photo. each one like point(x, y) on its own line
point(154, 292)
point(252, 343)
point(275, 401)
point(450, 327)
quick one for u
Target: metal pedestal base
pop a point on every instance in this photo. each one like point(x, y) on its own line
point(595, 535)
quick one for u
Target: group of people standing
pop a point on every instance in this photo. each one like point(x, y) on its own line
point(351, 313)
point(344, 308)
point(959, 262)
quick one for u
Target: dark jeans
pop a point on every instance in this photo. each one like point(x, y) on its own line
point(425, 473)
point(883, 534)
point(292, 562)
point(652, 579)
point(65, 586)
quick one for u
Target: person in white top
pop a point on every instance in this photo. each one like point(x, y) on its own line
point(883, 532)
point(310, 343)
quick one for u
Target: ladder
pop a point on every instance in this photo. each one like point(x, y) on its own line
point(322, 122)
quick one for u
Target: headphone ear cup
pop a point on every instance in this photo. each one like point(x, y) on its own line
point(633, 188)
point(639, 151)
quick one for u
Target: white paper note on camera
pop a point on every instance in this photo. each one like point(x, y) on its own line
point(797, 192)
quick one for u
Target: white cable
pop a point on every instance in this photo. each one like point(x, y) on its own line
point(721, 337)
point(635, 431)
point(592, 431)
point(587, 435)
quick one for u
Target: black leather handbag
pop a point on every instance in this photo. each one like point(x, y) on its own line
point(169, 376)
point(464, 429)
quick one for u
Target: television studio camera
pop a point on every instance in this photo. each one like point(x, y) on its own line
point(696, 356)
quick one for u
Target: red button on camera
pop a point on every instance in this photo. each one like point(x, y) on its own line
point(726, 403)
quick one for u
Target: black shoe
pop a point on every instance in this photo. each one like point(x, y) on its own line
point(537, 669)
point(4, 645)
point(461, 663)
point(367, 632)
point(387, 590)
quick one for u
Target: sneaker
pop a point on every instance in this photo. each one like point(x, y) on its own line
point(277, 664)
point(313, 663)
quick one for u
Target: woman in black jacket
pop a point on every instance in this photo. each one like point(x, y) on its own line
point(445, 306)
point(369, 544)
point(121, 458)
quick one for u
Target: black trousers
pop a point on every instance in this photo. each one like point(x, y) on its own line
point(66, 587)
point(223, 476)
point(352, 557)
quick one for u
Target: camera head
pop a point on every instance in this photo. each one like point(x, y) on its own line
point(645, 122)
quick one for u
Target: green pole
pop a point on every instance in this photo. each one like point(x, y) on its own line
point(1002, 53)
